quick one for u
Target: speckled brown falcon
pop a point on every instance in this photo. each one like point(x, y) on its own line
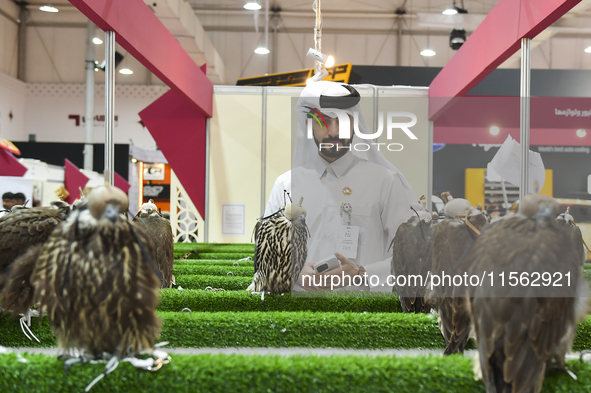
point(24, 228)
point(280, 250)
point(96, 282)
point(411, 256)
point(524, 329)
point(159, 230)
point(453, 237)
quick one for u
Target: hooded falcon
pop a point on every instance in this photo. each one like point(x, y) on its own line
point(280, 250)
point(453, 237)
point(159, 230)
point(412, 257)
point(96, 281)
point(526, 327)
point(566, 220)
point(24, 228)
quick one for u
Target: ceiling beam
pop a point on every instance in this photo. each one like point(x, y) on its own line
point(143, 35)
point(493, 42)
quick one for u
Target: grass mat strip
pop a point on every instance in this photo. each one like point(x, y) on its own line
point(213, 262)
point(283, 329)
point(271, 329)
point(188, 281)
point(200, 300)
point(214, 247)
point(240, 373)
point(213, 270)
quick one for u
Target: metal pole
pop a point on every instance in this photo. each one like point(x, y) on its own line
point(318, 35)
point(109, 107)
point(89, 115)
point(23, 18)
point(206, 218)
point(524, 115)
point(399, 43)
point(430, 168)
point(274, 52)
point(264, 153)
point(267, 33)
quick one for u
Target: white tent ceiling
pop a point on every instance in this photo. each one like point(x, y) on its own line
point(223, 34)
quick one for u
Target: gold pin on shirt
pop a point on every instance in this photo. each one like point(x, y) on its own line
point(347, 191)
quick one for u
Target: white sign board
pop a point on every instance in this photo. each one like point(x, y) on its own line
point(507, 163)
point(233, 219)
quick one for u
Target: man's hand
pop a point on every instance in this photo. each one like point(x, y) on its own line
point(348, 268)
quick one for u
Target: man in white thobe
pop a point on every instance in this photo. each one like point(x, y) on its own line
point(343, 187)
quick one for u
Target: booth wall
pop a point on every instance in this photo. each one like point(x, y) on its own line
point(12, 107)
point(55, 112)
point(571, 169)
point(235, 160)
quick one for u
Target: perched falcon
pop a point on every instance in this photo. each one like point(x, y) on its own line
point(96, 281)
point(159, 230)
point(411, 256)
point(280, 250)
point(525, 327)
point(452, 238)
point(566, 220)
point(23, 228)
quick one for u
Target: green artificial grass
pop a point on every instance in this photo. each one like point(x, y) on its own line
point(282, 329)
point(213, 262)
point(213, 270)
point(188, 281)
point(271, 329)
point(214, 247)
point(258, 373)
point(199, 300)
point(224, 255)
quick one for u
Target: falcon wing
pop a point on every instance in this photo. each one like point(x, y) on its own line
point(22, 229)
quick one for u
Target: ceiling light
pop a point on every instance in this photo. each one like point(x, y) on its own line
point(581, 133)
point(428, 52)
point(97, 41)
point(261, 50)
point(450, 11)
point(457, 37)
point(588, 49)
point(134, 160)
point(125, 71)
point(327, 60)
point(494, 130)
point(252, 6)
point(48, 8)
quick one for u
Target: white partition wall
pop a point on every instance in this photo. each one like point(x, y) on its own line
point(235, 158)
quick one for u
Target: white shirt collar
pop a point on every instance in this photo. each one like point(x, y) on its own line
point(338, 167)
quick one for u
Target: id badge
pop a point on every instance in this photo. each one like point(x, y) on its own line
point(348, 240)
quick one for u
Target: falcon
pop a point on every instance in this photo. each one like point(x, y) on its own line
point(524, 330)
point(159, 230)
point(280, 250)
point(24, 228)
point(96, 282)
point(566, 220)
point(453, 237)
point(411, 256)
